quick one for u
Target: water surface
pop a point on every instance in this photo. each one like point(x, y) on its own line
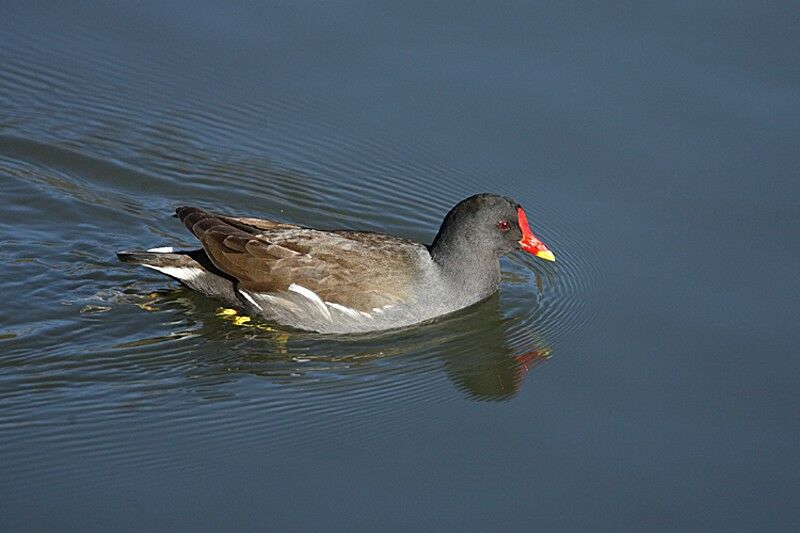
point(646, 379)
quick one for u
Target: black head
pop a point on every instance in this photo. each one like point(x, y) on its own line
point(487, 225)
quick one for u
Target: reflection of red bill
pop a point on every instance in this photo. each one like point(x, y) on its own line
point(527, 361)
point(529, 242)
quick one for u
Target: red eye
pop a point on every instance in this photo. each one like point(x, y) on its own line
point(504, 225)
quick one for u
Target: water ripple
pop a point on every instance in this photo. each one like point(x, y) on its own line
point(98, 337)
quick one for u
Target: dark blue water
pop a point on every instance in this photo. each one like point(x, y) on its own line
point(647, 380)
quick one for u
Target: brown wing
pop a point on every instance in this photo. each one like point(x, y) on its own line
point(359, 270)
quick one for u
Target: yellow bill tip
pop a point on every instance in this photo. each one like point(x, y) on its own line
point(547, 255)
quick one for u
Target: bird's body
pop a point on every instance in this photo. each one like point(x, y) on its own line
point(345, 281)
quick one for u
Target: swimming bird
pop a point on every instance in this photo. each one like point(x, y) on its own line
point(343, 281)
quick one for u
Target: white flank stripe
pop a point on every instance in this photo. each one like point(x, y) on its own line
point(181, 273)
point(346, 310)
point(249, 298)
point(162, 250)
point(312, 296)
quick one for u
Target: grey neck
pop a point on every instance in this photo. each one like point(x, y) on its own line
point(472, 272)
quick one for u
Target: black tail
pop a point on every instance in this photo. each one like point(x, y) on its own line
point(177, 258)
point(142, 257)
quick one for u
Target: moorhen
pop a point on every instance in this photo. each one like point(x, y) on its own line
point(344, 281)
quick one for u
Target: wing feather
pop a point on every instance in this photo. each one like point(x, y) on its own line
point(359, 270)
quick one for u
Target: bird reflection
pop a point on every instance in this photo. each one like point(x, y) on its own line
point(473, 348)
point(494, 376)
point(490, 367)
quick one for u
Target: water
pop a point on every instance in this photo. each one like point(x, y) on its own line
point(647, 379)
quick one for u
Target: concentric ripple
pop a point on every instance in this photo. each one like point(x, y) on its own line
point(100, 344)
